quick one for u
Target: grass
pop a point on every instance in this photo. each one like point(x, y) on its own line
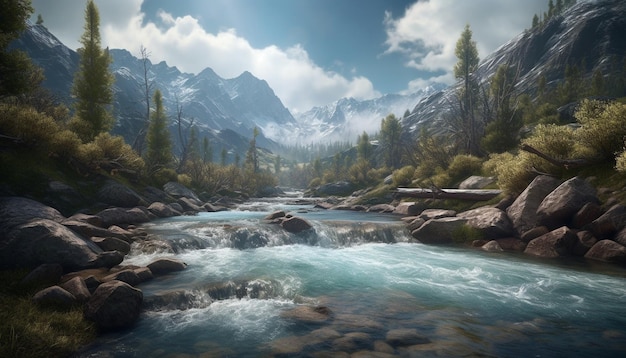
point(27, 330)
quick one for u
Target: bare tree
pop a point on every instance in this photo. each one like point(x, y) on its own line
point(187, 139)
point(146, 87)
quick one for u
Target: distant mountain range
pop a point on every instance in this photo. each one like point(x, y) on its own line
point(224, 110)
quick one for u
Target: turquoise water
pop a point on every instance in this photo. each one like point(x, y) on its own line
point(373, 279)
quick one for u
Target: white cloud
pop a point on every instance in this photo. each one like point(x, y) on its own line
point(182, 42)
point(427, 32)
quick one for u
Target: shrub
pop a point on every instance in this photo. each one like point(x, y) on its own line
point(29, 126)
point(512, 174)
point(403, 176)
point(184, 179)
point(620, 164)
point(315, 182)
point(463, 166)
point(603, 127)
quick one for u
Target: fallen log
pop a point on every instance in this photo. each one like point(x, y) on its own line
point(565, 163)
point(456, 194)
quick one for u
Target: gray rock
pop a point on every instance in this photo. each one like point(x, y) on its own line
point(178, 191)
point(89, 219)
point(511, 244)
point(120, 216)
point(129, 276)
point(559, 207)
point(408, 209)
point(492, 246)
point(439, 231)
point(88, 230)
point(585, 242)
point(492, 222)
point(586, 215)
point(78, 288)
point(162, 210)
point(429, 214)
point(308, 314)
point(610, 223)
point(46, 241)
point(54, 296)
point(295, 224)
point(405, 337)
point(116, 194)
point(190, 205)
point(556, 243)
point(114, 305)
point(607, 251)
point(523, 211)
point(166, 265)
point(476, 182)
point(15, 211)
point(381, 208)
point(111, 243)
point(44, 274)
point(275, 215)
point(342, 188)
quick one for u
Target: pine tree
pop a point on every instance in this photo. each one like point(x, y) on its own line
point(467, 55)
point(17, 73)
point(159, 153)
point(39, 20)
point(93, 82)
point(364, 147)
point(535, 21)
point(390, 133)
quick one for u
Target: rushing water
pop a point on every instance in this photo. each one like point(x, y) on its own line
point(245, 276)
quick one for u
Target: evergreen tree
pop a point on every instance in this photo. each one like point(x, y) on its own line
point(501, 133)
point(551, 8)
point(207, 151)
point(159, 153)
point(535, 21)
point(390, 134)
point(252, 160)
point(39, 20)
point(93, 82)
point(467, 55)
point(364, 147)
point(223, 156)
point(17, 73)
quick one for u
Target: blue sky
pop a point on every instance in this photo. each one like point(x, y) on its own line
point(311, 52)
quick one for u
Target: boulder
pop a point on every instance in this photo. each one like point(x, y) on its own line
point(116, 194)
point(523, 211)
point(114, 305)
point(122, 234)
point(63, 196)
point(511, 244)
point(476, 182)
point(44, 274)
point(381, 208)
point(190, 205)
point(89, 219)
point(144, 274)
point(415, 224)
point(559, 207)
point(54, 296)
point(439, 231)
point(120, 216)
point(534, 233)
point(162, 210)
point(45, 241)
point(436, 214)
point(620, 237)
point(308, 314)
point(275, 215)
point(405, 337)
point(178, 191)
point(129, 276)
point(89, 230)
point(610, 223)
point(78, 288)
point(607, 251)
point(492, 246)
point(586, 215)
point(111, 243)
point(556, 243)
point(585, 242)
point(492, 222)
point(341, 188)
point(152, 194)
point(164, 266)
point(295, 225)
point(16, 211)
point(408, 209)
point(109, 259)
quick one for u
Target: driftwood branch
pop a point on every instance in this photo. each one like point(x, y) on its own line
point(456, 194)
point(565, 163)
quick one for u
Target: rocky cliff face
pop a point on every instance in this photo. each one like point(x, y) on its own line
point(590, 35)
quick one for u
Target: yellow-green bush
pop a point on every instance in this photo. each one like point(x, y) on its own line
point(603, 127)
point(620, 164)
point(403, 176)
point(184, 179)
point(31, 127)
point(513, 173)
point(463, 166)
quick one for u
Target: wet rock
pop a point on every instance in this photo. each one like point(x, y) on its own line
point(89, 219)
point(607, 251)
point(129, 276)
point(114, 305)
point(383, 347)
point(439, 231)
point(55, 297)
point(381, 208)
point(429, 214)
point(352, 341)
point(523, 211)
point(88, 230)
point(556, 243)
point(559, 207)
point(190, 205)
point(111, 243)
point(162, 210)
point(610, 223)
point(176, 300)
point(492, 246)
point(121, 216)
point(492, 222)
point(415, 224)
point(585, 241)
point(78, 288)
point(143, 274)
point(166, 265)
point(308, 314)
point(109, 259)
point(405, 337)
point(275, 215)
point(295, 225)
point(511, 244)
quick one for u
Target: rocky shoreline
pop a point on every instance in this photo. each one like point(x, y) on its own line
point(80, 256)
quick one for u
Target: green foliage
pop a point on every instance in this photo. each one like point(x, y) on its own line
point(159, 153)
point(603, 127)
point(620, 161)
point(403, 176)
point(464, 166)
point(93, 82)
point(364, 147)
point(512, 177)
point(390, 134)
point(110, 151)
point(30, 127)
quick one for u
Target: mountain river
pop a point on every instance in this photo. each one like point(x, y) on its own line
point(371, 289)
